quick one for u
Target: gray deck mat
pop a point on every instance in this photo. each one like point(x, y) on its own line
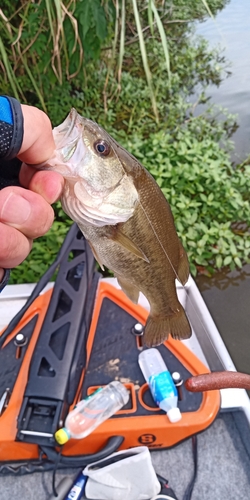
point(223, 467)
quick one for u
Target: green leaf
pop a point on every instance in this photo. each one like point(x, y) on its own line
point(84, 15)
point(233, 249)
point(219, 261)
point(238, 262)
point(162, 35)
point(145, 59)
point(227, 260)
point(100, 20)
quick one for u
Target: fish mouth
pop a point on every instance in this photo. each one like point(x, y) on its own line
point(67, 137)
point(68, 130)
point(72, 129)
point(70, 147)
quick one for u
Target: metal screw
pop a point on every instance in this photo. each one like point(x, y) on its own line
point(138, 329)
point(178, 382)
point(20, 340)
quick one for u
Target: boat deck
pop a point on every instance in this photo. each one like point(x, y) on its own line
point(223, 466)
point(223, 449)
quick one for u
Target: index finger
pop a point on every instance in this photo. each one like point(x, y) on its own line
point(48, 184)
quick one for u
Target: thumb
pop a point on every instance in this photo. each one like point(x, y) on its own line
point(38, 143)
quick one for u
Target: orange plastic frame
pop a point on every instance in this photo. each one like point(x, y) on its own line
point(152, 430)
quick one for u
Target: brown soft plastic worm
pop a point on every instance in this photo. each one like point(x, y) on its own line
point(218, 380)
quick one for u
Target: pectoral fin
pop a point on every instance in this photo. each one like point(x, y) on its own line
point(97, 258)
point(129, 245)
point(183, 268)
point(131, 291)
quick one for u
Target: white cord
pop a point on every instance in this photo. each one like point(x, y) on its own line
point(162, 496)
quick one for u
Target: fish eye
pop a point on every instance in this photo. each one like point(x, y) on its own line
point(102, 148)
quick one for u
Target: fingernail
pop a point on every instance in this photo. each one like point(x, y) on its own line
point(16, 210)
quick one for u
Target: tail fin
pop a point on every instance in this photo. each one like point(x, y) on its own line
point(158, 329)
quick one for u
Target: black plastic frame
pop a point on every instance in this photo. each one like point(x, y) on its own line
point(60, 353)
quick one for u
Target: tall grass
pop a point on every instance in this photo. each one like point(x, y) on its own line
point(20, 45)
point(55, 38)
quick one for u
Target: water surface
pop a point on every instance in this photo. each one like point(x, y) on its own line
point(227, 295)
point(231, 31)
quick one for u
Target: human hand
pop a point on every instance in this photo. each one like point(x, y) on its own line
point(26, 214)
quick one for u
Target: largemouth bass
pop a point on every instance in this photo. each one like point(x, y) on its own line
point(126, 219)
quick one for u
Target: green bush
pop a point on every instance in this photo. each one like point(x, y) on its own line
point(188, 156)
point(43, 253)
point(207, 195)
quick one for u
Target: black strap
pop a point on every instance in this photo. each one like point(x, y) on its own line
point(9, 172)
point(11, 131)
point(5, 279)
point(11, 138)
